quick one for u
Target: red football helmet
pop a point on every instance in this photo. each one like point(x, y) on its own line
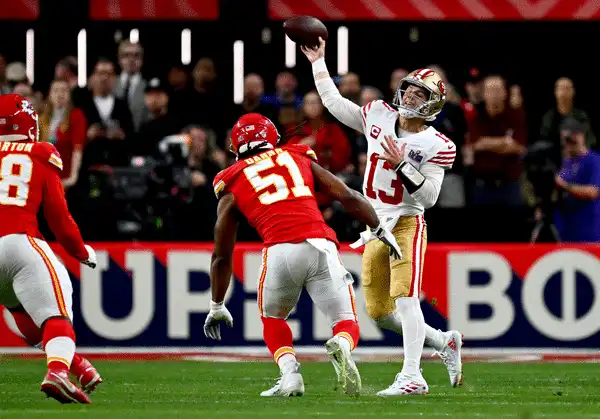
point(253, 131)
point(18, 119)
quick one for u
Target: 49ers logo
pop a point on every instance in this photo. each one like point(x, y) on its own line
point(442, 87)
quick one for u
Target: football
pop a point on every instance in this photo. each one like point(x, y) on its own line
point(305, 30)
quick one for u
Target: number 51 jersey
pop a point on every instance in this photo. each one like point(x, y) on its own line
point(274, 190)
point(428, 150)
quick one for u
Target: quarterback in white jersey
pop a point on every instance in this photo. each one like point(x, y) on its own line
point(404, 174)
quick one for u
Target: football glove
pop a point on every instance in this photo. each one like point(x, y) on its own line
point(212, 326)
point(382, 233)
point(91, 259)
point(387, 237)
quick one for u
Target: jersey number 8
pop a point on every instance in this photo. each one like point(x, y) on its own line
point(282, 188)
point(15, 175)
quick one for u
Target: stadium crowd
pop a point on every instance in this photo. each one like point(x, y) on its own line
point(140, 154)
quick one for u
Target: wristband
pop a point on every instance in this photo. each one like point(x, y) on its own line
point(215, 306)
point(410, 175)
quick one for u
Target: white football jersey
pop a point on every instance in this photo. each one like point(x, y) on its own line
point(381, 184)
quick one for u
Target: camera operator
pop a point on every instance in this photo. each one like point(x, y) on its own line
point(577, 217)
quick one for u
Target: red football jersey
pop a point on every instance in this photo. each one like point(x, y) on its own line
point(275, 191)
point(30, 178)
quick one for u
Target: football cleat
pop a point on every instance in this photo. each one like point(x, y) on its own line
point(57, 385)
point(290, 384)
point(347, 374)
point(404, 385)
point(452, 357)
point(87, 376)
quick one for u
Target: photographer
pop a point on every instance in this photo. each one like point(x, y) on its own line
point(577, 217)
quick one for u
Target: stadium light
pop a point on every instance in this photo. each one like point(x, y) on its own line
point(134, 36)
point(342, 50)
point(186, 46)
point(290, 53)
point(238, 72)
point(82, 58)
point(29, 53)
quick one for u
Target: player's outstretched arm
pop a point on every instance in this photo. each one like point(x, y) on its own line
point(59, 219)
point(346, 111)
point(222, 257)
point(353, 202)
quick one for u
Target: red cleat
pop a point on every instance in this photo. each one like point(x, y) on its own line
point(85, 373)
point(57, 385)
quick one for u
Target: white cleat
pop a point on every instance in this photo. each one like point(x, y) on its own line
point(452, 358)
point(404, 385)
point(290, 384)
point(345, 368)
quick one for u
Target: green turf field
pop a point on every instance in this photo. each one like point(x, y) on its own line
point(187, 389)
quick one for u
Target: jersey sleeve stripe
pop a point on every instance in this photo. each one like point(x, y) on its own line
point(219, 187)
point(446, 153)
point(56, 161)
point(388, 106)
point(434, 160)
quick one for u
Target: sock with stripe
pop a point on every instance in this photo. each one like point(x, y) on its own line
point(59, 343)
point(413, 334)
point(278, 337)
point(349, 332)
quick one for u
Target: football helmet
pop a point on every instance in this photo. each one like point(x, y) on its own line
point(18, 119)
point(253, 131)
point(427, 109)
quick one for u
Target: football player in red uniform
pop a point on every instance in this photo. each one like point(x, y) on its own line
point(34, 285)
point(274, 188)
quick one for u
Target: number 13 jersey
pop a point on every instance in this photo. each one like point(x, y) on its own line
point(429, 151)
point(274, 190)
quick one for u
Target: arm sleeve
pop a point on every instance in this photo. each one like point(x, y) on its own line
point(59, 219)
point(428, 194)
point(346, 111)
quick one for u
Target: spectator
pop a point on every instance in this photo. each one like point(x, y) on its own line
point(497, 137)
point(66, 69)
point(578, 216)
point(285, 100)
point(16, 73)
point(397, 75)
point(254, 89)
point(201, 103)
point(5, 87)
point(369, 94)
point(564, 93)
point(206, 145)
point(130, 85)
point(350, 87)
point(474, 90)
point(160, 124)
point(109, 120)
point(64, 126)
point(178, 78)
point(325, 137)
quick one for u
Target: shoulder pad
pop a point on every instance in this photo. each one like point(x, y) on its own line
point(304, 150)
point(47, 153)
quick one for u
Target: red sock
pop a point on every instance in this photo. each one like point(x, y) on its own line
point(278, 337)
point(349, 330)
point(59, 330)
point(32, 333)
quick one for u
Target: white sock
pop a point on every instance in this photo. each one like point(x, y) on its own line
point(345, 343)
point(61, 349)
point(413, 336)
point(434, 338)
point(390, 322)
point(287, 362)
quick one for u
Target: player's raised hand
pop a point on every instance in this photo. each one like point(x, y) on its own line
point(314, 53)
point(393, 154)
point(212, 325)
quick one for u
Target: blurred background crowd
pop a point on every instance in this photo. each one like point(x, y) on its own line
point(142, 141)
